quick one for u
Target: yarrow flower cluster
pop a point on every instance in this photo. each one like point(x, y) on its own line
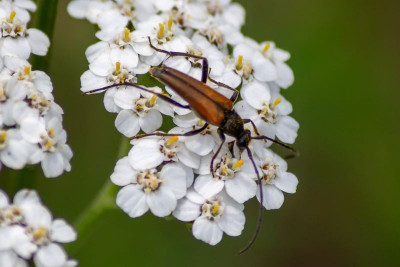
point(29, 232)
point(171, 174)
point(31, 129)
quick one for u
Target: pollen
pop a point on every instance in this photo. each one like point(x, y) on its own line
point(27, 70)
point(277, 101)
point(12, 16)
point(118, 66)
point(215, 210)
point(266, 47)
point(224, 172)
point(48, 144)
point(161, 30)
point(51, 132)
point(239, 62)
point(238, 164)
point(172, 140)
point(3, 136)
point(170, 21)
point(45, 103)
point(126, 34)
point(153, 100)
point(39, 233)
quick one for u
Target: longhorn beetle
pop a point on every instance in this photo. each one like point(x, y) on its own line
point(209, 105)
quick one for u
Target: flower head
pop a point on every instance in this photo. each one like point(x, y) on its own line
point(178, 171)
point(28, 231)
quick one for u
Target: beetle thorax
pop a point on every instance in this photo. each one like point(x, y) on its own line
point(232, 124)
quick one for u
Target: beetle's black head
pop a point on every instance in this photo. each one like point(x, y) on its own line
point(243, 140)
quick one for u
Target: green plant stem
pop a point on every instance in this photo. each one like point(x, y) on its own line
point(101, 205)
point(44, 20)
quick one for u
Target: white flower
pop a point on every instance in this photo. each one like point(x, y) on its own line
point(150, 152)
point(11, 259)
point(13, 149)
point(52, 150)
point(212, 217)
point(108, 74)
point(252, 62)
point(163, 35)
point(21, 7)
point(28, 230)
point(278, 57)
point(26, 77)
point(269, 113)
point(236, 176)
point(140, 112)
point(149, 189)
point(204, 28)
point(275, 179)
point(9, 95)
point(202, 143)
point(17, 41)
point(78, 8)
point(43, 232)
point(117, 46)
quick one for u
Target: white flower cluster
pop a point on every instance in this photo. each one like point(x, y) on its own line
point(30, 121)
point(29, 232)
point(171, 174)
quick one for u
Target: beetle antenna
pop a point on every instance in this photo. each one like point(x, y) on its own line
point(163, 97)
point(260, 211)
point(294, 151)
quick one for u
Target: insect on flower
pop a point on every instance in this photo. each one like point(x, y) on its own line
point(211, 106)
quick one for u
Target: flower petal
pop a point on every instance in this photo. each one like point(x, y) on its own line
point(207, 186)
point(145, 154)
point(161, 202)
point(50, 255)
point(127, 123)
point(241, 188)
point(207, 231)
point(132, 201)
point(174, 179)
point(62, 232)
point(187, 210)
point(39, 42)
point(232, 221)
point(273, 197)
point(286, 182)
point(151, 122)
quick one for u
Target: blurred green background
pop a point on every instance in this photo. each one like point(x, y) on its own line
point(346, 212)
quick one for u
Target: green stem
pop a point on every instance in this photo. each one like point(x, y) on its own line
point(44, 20)
point(101, 204)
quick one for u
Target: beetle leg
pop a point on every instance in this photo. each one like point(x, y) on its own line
point(235, 92)
point(163, 97)
point(191, 133)
point(253, 124)
point(222, 136)
point(204, 72)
